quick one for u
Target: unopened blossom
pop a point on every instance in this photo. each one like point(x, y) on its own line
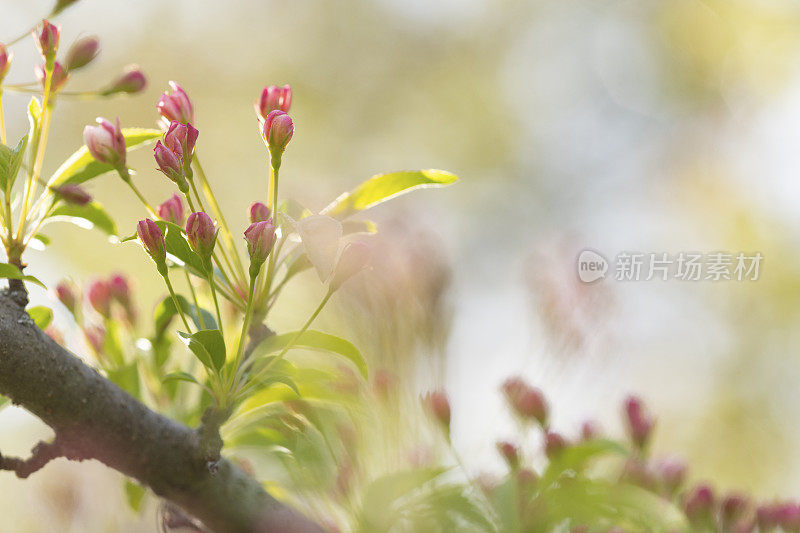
point(671, 473)
point(554, 443)
point(72, 194)
point(100, 297)
point(699, 505)
point(105, 142)
point(121, 293)
point(439, 406)
point(259, 213)
point(171, 210)
point(510, 453)
point(47, 40)
point(60, 76)
point(260, 238)
point(132, 80)
point(640, 425)
point(65, 292)
point(181, 138)
point(274, 98)
point(6, 56)
point(526, 401)
point(82, 52)
point(201, 234)
point(153, 241)
point(354, 258)
point(96, 336)
point(277, 131)
point(175, 106)
point(171, 165)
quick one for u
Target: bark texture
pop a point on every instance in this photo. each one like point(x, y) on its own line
point(94, 419)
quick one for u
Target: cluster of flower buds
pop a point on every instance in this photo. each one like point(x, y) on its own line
point(438, 405)
point(72, 194)
point(509, 452)
point(60, 76)
point(273, 98)
point(171, 210)
point(132, 80)
point(175, 106)
point(153, 242)
point(202, 236)
point(6, 56)
point(174, 156)
point(103, 293)
point(81, 53)
point(783, 515)
point(639, 424)
point(526, 402)
point(106, 143)
point(260, 237)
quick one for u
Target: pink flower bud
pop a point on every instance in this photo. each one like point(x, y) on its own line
point(201, 234)
point(527, 402)
point(176, 106)
point(5, 60)
point(734, 507)
point(589, 430)
point(82, 52)
point(274, 98)
point(153, 241)
point(181, 138)
point(438, 405)
point(100, 297)
point(699, 506)
point(172, 210)
point(65, 292)
point(260, 237)
point(119, 289)
point(509, 452)
point(354, 259)
point(47, 40)
point(259, 213)
point(96, 336)
point(72, 194)
point(132, 80)
point(640, 426)
point(554, 443)
point(105, 142)
point(672, 473)
point(60, 76)
point(277, 131)
point(171, 165)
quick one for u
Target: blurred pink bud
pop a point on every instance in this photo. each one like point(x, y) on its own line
point(698, 505)
point(119, 289)
point(47, 40)
point(638, 472)
point(82, 52)
point(527, 402)
point(277, 131)
point(72, 194)
point(510, 453)
point(201, 234)
point(153, 241)
point(590, 430)
point(354, 259)
point(672, 473)
point(438, 405)
point(554, 443)
point(100, 297)
point(171, 210)
point(734, 507)
point(260, 237)
point(6, 56)
point(96, 336)
point(105, 142)
point(274, 98)
point(176, 106)
point(65, 292)
point(259, 213)
point(181, 138)
point(132, 80)
point(640, 425)
point(171, 165)
point(787, 517)
point(60, 76)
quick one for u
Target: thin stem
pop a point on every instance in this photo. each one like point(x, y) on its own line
point(273, 205)
point(214, 297)
point(175, 301)
point(194, 299)
point(2, 120)
point(140, 197)
point(248, 316)
point(189, 201)
point(197, 195)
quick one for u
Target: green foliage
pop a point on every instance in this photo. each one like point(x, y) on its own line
point(11, 272)
point(134, 495)
point(209, 347)
point(91, 215)
point(41, 315)
point(314, 340)
point(10, 162)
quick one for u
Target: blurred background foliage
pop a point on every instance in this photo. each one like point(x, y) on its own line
point(617, 125)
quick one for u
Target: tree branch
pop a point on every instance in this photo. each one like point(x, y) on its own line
point(94, 419)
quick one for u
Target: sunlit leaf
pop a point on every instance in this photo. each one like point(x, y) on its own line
point(12, 272)
point(86, 216)
point(379, 507)
point(576, 456)
point(314, 340)
point(383, 187)
point(134, 494)
point(41, 315)
point(10, 161)
point(209, 347)
point(165, 311)
point(180, 376)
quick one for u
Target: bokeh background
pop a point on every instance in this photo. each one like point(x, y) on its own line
point(647, 125)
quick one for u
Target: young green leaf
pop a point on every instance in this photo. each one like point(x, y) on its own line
point(314, 340)
point(134, 494)
point(41, 315)
point(165, 311)
point(180, 376)
point(86, 216)
point(209, 347)
point(10, 161)
point(383, 187)
point(12, 272)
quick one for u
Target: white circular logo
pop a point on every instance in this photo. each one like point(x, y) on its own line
point(591, 266)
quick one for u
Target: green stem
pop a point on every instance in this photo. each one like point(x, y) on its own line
point(194, 299)
point(175, 301)
point(273, 190)
point(127, 179)
point(2, 120)
point(248, 316)
point(214, 297)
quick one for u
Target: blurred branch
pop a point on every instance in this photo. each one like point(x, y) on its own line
point(94, 419)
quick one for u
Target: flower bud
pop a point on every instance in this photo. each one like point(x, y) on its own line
point(6, 56)
point(47, 40)
point(527, 402)
point(72, 194)
point(277, 131)
point(96, 336)
point(260, 237)
point(274, 98)
point(510, 453)
point(354, 259)
point(672, 473)
point(121, 292)
point(153, 241)
point(100, 297)
point(589, 430)
point(176, 106)
point(734, 508)
point(201, 234)
point(171, 210)
point(171, 165)
point(60, 76)
point(699, 506)
point(259, 213)
point(438, 405)
point(105, 142)
point(181, 138)
point(82, 52)
point(65, 292)
point(132, 80)
point(554, 444)
point(640, 426)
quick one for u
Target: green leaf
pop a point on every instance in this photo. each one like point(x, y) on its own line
point(41, 315)
point(379, 509)
point(10, 161)
point(178, 247)
point(3, 402)
point(86, 216)
point(314, 340)
point(165, 311)
point(383, 187)
point(81, 166)
point(209, 347)
point(577, 456)
point(134, 494)
point(180, 376)
point(34, 117)
point(12, 272)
